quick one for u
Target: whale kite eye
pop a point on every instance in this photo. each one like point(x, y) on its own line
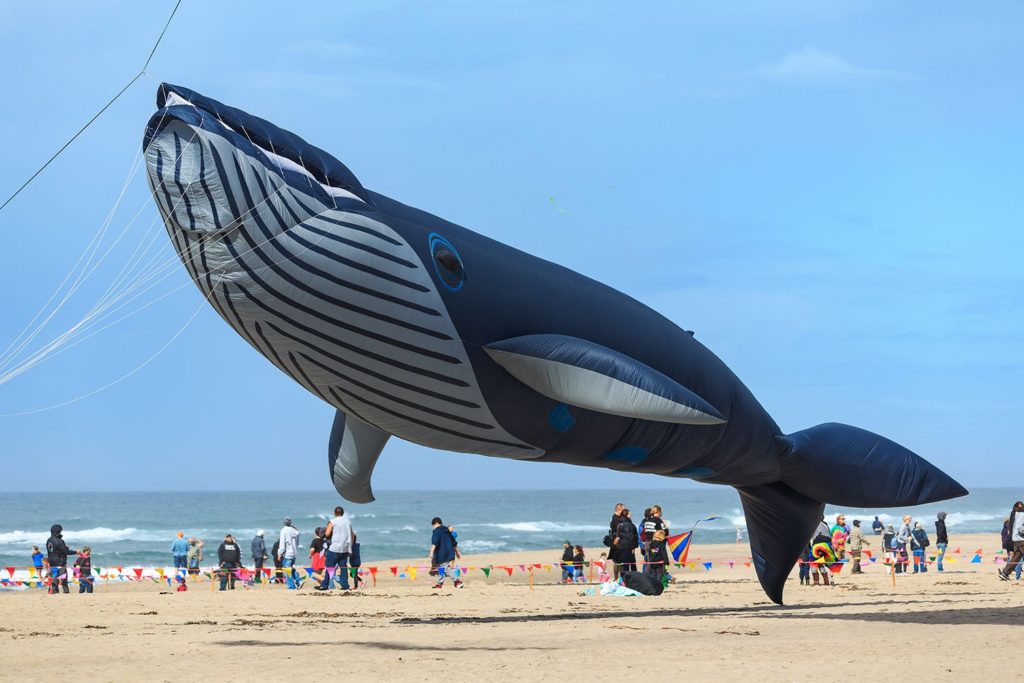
point(447, 263)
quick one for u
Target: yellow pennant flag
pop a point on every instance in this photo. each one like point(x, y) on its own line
point(412, 573)
point(160, 571)
point(32, 571)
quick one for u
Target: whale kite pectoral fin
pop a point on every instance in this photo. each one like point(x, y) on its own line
point(587, 375)
point(352, 452)
point(780, 522)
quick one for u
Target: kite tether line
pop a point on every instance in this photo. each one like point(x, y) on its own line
point(81, 130)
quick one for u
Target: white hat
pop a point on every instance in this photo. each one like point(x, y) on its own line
point(260, 532)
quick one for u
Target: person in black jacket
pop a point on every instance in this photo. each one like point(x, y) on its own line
point(941, 539)
point(566, 563)
point(57, 552)
point(230, 557)
point(626, 542)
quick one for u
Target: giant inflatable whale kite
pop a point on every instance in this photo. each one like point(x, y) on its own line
point(412, 326)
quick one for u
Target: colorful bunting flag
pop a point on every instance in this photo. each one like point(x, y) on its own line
point(486, 571)
point(707, 566)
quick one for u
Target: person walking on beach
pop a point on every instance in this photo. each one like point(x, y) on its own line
point(229, 555)
point(259, 555)
point(84, 566)
point(1006, 536)
point(340, 535)
point(179, 550)
point(443, 551)
point(57, 552)
point(941, 539)
point(195, 556)
point(578, 560)
point(289, 549)
point(919, 545)
point(857, 542)
point(1017, 538)
point(876, 526)
point(317, 561)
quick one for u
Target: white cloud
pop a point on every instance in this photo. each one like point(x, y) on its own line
point(821, 67)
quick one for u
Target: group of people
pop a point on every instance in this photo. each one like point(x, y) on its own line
point(54, 564)
point(832, 546)
point(1013, 542)
point(624, 538)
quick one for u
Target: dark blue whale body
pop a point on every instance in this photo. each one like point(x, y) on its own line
point(413, 326)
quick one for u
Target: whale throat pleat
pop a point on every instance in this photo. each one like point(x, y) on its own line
point(591, 376)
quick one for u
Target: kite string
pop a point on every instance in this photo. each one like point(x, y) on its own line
point(206, 298)
point(100, 112)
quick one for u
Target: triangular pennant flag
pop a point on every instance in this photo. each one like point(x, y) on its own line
point(440, 572)
point(159, 571)
point(394, 571)
point(731, 564)
point(266, 571)
point(536, 566)
point(412, 572)
point(168, 579)
point(508, 569)
point(10, 570)
point(373, 572)
point(457, 572)
point(746, 564)
point(956, 549)
point(486, 571)
point(707, 566)
point(309, 571)
point(976, 559)
point(522, 568)
point(138, 573)
point(979, 551)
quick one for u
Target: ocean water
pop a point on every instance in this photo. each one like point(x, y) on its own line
point(133, 529)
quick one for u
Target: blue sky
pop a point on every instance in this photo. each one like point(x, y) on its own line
point(828, 193)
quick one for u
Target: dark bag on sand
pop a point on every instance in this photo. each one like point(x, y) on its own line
point(642, 583)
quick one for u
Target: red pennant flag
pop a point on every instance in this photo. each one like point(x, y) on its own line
point(956, 549)
point(978, 551)
point(394, 571)
point(266, 571)
point(536, 566)
point(373, 571)
point(746, 564)
point(10, 570)
point(138, 573)
point(508, 569)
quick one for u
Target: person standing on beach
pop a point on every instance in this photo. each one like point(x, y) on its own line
point(179, 550)
point(84, 565)
point(919, 545)
point(289, 549)
point(902, 541)
point(876, 526)
point(259, 555)
point(1017, 538)
point(609, 540)
point(941, 539)
point(652, 524)
point(37, 561)
point(195, 555)
point(317, 562)
point(443, 551)
point(626, 543)
point(839, 536)
point(889, 549)
point(230, 557)
point(566, 562)
point(57, 552)
point(857, 542)
point(340, 535)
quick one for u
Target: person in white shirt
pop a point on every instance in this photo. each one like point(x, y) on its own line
point(341, 537)
point(288, 550)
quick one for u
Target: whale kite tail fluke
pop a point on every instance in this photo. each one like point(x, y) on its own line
point(831, 463)
point(780, 522)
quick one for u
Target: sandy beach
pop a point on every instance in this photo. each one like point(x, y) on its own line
point(711, 625)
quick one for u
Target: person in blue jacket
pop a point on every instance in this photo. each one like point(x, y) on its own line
point(443, 551)
point(179, 549)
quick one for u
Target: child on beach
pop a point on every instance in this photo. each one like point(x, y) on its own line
point(602, 569)
point(577, 565)
point(83, 565)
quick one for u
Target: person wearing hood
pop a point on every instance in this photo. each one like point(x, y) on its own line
point(179, 550)
point(941, 539)
point(259, 555)
point(889, 549)
point(57, 552)
point(919, 545)
point(289, 549)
